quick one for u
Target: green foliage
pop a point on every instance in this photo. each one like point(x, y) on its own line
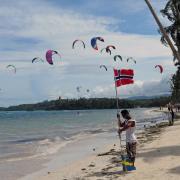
point(175, 86)
point(93, 103)
point(172, 13)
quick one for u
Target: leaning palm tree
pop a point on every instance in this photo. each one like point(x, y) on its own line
point(172, 13)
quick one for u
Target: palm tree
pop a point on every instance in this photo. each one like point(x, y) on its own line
point(175, 86)
point(172, 13)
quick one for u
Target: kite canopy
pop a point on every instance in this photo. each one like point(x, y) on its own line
point(78, 88)
point(110, 46)
point(12, 67)
point(94, 42)
point(118, 56)
point(160, 68)
point(132, 59)
point(77, 40)
point(107, 50)
point(37, 59)
point(103, 66)
point(49, 55)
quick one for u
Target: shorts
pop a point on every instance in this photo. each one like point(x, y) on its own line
point(131, 150)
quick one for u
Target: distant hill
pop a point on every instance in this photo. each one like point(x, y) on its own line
point(147, 97)
point(92, 103)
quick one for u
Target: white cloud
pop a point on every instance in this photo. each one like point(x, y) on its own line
point(139, 88)
point(29, 28)
point(56, 28)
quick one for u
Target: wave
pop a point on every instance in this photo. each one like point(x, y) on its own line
point(95, 131)
point(26, 140)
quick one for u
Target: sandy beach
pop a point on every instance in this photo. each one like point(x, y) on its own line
point(158, 157)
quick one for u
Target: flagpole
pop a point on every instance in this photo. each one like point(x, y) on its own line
point(117, 104)
point(117, 99)
point(175, 52)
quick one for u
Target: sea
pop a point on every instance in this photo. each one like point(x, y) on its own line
point(31, 139)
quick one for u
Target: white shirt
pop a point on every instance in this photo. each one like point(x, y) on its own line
point(130, 132)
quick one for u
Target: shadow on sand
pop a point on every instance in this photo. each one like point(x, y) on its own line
point(175, 170)
point(156, 153)
point(109, 174)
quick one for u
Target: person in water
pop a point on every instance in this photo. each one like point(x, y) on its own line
point(129, 125)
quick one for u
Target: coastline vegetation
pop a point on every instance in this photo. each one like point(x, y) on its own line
point(91, 103)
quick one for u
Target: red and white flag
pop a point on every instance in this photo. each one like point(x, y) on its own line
point(123, 77)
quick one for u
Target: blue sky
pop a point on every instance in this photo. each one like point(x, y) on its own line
point(30, 27)
point(124, 11)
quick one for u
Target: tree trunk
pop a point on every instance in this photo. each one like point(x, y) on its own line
point(175, 52)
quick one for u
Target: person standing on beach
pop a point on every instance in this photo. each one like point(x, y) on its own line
point(171, 121)
point(129, 125)
point(169, 106)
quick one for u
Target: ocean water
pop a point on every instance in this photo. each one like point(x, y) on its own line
point(36, 134)
point(23, 133)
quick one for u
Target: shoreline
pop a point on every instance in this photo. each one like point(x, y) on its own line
point(106, 164)
point(61, 142)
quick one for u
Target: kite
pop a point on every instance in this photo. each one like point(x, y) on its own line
point(77, 40)
point(103, 67)
point(110, 46)
point(107, 50)
point(78, 88)
point(49, 55)
point(118, 56)
point(11, 66)
point(160, 68)
point(130, 58)
point(94, 42)
point(37, 59)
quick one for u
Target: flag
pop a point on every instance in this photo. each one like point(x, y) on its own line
point(123, 77)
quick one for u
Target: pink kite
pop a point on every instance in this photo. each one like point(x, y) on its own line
point(49, 55)
point(160, 68)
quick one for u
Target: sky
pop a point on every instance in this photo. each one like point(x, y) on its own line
point(29, 28)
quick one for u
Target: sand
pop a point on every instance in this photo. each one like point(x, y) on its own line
point(158, 158)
